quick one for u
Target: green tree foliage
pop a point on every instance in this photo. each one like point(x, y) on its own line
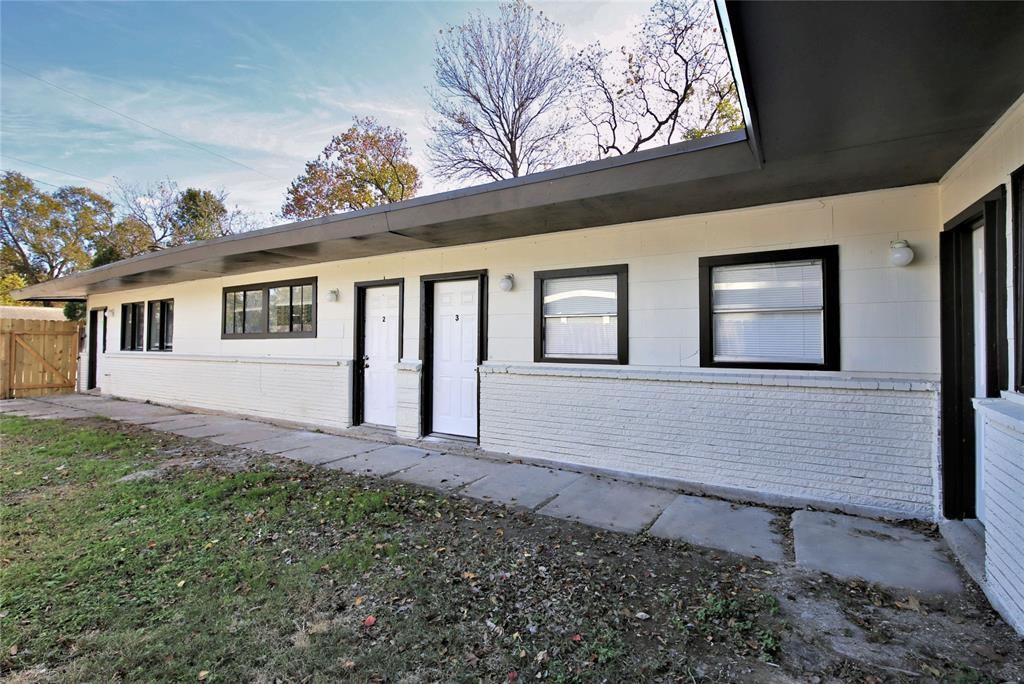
point(47, 235)
point(9, 283)
point(198, 215)
point(74, 311)
point(366, 166)
point(160, 215)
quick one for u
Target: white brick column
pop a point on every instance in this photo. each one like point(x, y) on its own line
point(407, 399)
point(1003, 440)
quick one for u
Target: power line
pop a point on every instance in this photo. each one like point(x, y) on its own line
point(36, 180)
point(50, 168)
point(133, 119)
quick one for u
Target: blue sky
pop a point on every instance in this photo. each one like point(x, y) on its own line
point(263, 83)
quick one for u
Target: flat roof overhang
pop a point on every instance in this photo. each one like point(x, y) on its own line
point(842, 97)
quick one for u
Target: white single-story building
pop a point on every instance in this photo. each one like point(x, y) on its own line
point(822, 308)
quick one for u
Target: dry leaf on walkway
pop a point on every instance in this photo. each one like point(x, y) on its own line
point(910, 604)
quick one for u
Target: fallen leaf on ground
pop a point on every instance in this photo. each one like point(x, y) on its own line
point(910, 604)
point(370, 621)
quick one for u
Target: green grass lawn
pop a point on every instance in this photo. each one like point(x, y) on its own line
point(275, 571)
point(243, 568)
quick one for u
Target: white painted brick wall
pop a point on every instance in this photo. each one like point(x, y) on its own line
point(838, 441)
point(407, 399)
point(1003, 437)
point(313, 391)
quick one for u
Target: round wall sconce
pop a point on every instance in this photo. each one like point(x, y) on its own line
point(507, 283)
point(333, 295)
point(900, 253)
point(109, 313)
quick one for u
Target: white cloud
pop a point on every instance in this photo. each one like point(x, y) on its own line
point(273, 129)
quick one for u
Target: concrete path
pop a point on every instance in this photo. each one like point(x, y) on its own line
point(841, 545)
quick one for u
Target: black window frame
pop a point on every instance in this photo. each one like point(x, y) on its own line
point(1017, 218)
point(621, 312)
point(265, 310)
point(132, 342)
point(162, 344)
point(829, 256)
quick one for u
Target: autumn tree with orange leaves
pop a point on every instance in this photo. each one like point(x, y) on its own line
point(366, 166)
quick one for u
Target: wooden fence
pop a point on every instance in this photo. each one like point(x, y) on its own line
point(37, 357)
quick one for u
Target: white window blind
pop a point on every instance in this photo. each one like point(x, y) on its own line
point(770, 312)
point(580, 318)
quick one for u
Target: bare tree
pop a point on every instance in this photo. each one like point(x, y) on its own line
point(160, 215)
point(499, 103)
point(674, 83)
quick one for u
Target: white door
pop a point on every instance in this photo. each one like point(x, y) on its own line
point(380, 354)
point(455, 355)
point(980, 367)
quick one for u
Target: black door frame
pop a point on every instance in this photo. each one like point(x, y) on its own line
point(956, 282)
point(359, 342)
point(427, 340)
point(95, 315)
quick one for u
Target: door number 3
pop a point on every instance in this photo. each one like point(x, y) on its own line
point(456, 316)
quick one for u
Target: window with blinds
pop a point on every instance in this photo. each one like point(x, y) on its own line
point(581, 317)
point(769, 312)
point(771, 309)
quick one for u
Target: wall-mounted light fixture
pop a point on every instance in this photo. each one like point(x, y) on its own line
point(333, 295)
point(507, 283)
point(900, 253)
point(109, 313)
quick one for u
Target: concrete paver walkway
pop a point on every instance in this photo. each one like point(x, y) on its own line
point(844, 546)
point(841, 545)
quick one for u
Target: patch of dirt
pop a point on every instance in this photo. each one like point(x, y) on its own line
point(827, 629)
point(468, 591)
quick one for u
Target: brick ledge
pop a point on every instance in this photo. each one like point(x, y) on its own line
point(716, 376)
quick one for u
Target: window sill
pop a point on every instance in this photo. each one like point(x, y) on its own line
point(268, 336)
point(823, 379)
point(210, 358)
point(1007, 411)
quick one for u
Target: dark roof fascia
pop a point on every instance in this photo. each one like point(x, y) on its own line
point(590, 179)
point(739, 71)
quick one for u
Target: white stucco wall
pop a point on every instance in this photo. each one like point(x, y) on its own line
point(889, 325)
point(889, 315)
